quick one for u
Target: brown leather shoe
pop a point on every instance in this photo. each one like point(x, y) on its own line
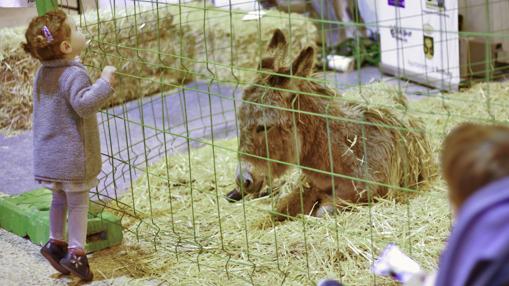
point(53, 251)
point(77, 263)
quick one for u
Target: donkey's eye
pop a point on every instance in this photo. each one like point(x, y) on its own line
point(261, 128)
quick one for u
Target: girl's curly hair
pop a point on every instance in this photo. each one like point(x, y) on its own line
point(473, 156)
point(38, 44)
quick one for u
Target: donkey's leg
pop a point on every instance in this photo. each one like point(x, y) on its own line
point(345, 193)
point(292, 205)
point(329, 204)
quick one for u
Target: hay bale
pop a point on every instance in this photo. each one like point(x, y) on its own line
point(144, 49)
point(16, 76)
point(154, 51)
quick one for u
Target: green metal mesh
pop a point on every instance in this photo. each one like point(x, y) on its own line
point(171, 50)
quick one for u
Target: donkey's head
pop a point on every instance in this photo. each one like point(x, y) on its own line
point(269, 137)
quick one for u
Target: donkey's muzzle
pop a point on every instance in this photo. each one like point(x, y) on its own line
point(234, 196)
point(246, 183)
point(244, 179)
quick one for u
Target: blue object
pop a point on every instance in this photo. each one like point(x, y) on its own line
point(477, 252)
point(329, 282)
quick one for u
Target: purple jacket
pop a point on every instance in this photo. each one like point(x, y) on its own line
point(479, 242)
point(66, 135)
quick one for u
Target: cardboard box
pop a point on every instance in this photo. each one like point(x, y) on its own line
point(473, 60)
point(421, 39)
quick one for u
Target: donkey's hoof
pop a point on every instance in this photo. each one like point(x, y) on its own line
point(325, 210)
point(263, 194)
point(234, 196)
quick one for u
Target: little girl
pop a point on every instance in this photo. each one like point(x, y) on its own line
point(66, 150)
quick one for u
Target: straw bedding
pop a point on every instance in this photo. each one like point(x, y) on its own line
point(336, 246)
point(154, 51)
point(202, 239)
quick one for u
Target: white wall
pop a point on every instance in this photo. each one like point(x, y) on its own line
point(246, 5)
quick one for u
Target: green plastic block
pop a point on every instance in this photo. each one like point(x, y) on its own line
point(27, 215)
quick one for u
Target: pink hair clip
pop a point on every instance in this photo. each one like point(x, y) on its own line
point(47, 34)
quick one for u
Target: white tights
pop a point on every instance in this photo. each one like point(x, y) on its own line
point(76, 203)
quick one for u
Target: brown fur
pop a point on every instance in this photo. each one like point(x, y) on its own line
point(284, 110)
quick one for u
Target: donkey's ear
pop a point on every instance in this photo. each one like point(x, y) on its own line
point(276, 51)
point(304, 63)
point(278, 40)
point(267, 63)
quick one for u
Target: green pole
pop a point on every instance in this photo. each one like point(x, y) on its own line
point(44, 6)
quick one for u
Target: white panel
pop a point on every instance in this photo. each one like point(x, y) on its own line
point(406, 26)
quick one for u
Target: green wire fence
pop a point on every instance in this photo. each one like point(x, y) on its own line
point(174, 137)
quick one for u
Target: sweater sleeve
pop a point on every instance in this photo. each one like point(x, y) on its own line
point(86, 98)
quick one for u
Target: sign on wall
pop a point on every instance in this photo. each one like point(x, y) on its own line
point(419, 40)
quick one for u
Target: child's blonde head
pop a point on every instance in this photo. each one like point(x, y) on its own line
point(38, 44)
point(473, 156)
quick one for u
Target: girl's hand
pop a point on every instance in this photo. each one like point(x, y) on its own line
point(108, 74)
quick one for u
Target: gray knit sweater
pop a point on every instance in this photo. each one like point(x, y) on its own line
point(66, 135)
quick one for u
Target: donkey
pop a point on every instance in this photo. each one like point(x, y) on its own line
point(345, 150)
